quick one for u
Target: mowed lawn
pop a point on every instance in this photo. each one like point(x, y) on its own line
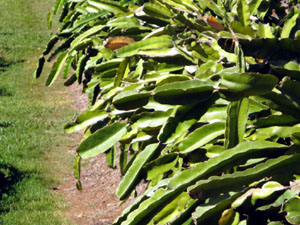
point(33, 145)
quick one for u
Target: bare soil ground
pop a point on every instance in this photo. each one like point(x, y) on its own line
point(96, 204)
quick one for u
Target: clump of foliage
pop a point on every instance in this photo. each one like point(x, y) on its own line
point(202, 97)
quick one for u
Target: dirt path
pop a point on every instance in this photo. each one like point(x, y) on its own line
point(97, 203)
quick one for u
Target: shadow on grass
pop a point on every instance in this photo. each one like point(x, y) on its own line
point(4, 125)
point(5, 64)
point(5, 92)
point(9, 176)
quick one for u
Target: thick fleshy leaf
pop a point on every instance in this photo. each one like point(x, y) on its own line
point(253, 6)
point(172, 78)
point(57, 5)
point(108, 65)
point(51, 44)
point(280, 103)
point(139, 13)
point(292, 65)
point(39, 68)
point(268, 190)
point(160, 53)
point(177, 184)
point(62, 48)
point(68, 65)
point(216, 8)
point(133, 174)
point(290, 89)
point(138, 201)
point(287, 195)
point(80, 67)
point(122, 72)
point(157, 10)
point(173, 123)
point(290, 22)
point(185, 116)
point(216, 113)
point(123, 160)
point(57, 67)
point(141, 137)
point(264, 31)
point(276, 120)
point(76, 167)
point(228, 182)
point(160, 165)
point(236, 86)
point(184, 4)
point(183, 92)
point(201, 136)
point(295, 134)
point(146, 210)
point(131, 100)
point(84, 44)
point(231, 157)
point(173, 209)
point(292, 210)
point(65, 11)
point(243, 12)
point(84, 19)
point(186, 217)
point(150, 43)
point(229, 217)
point(71, 80)
point(111, 156)
point(237, 115)
point(210, 212)
point(86, 34)
point(275, 131)
point(124, 22)
point(101, 140)
point(49, 20)
point(111, 6)
point(84, 120)
point(153, 119)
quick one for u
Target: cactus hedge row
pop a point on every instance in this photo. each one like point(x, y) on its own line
point(200, 98)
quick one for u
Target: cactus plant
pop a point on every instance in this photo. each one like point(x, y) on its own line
point(202, 97)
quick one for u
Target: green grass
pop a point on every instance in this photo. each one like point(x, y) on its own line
point(32, 143)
